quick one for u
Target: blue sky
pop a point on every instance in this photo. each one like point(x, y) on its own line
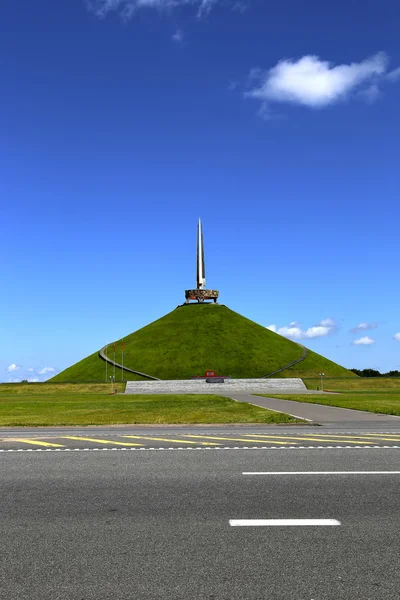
point(122, 122)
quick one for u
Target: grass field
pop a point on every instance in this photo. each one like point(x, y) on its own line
point(354, 384)
point(194, 338)
point(57, 389)
point(386, 401)
point(91, 404)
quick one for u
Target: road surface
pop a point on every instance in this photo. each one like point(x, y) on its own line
point(317, 413)
point(152, 525)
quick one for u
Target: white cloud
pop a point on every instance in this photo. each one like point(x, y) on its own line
point(397, 337)
point(12, 368)
point(31, 370)
point(328, 322)
point(11, 380)
point(364, 341)
point(33, 379)
point(46, 370)
point(316, 83)
point(127, 8)
point(318, 331)
point(294, 331)
point(363, 327)
point(178, 36)
point(291, 332)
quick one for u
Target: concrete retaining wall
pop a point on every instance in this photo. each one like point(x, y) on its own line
point(196, 386)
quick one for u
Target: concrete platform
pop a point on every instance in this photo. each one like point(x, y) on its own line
point(196, 386)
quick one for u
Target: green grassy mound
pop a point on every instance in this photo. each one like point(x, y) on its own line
point(196, 337)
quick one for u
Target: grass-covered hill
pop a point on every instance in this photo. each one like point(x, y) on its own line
point(194, 338)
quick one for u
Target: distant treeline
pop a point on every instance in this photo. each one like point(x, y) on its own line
point(374, 373)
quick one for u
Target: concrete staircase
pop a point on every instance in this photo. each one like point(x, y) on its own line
point(230, 386)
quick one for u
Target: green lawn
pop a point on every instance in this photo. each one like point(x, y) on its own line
point(385, 401)
point(64, 404)
point(55, 389)
point(346, 384)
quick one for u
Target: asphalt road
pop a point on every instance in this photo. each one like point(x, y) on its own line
point(317, 413)
point(156, 525)
point(172, 437)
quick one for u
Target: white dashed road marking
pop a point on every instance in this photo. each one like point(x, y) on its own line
point(322, 473)
point(283, 522)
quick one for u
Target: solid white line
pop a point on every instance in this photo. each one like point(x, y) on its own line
point(277, 411)
point(282, 522)
point(23, 450)
point(321, 473)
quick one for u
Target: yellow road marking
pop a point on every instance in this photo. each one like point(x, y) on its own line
point(314, 439)
point(158, 439)
point(385, 434)
point(307, 438)
point(388, 439)
point(96, 440)
point(373, 436)
point(230, 439)
point(36, 442)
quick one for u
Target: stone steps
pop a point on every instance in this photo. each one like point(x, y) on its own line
point(197, 386)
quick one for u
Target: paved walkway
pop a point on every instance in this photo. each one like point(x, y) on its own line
point(317, 413)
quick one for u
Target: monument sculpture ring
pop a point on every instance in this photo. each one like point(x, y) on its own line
point(201, 295)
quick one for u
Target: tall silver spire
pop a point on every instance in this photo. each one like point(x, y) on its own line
point(200, 293)
point(201, 270)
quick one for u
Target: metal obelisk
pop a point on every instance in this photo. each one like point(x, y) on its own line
point(201, 270)
point(200, 293)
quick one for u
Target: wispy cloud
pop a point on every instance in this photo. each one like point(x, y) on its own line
point(240, 6)
point(46, 370)
point(363, 327)
point(328, 322)
point(316, 83)
point(371, 93)
point(394, 75)
point(177, 36)
point(294, 331)
point(128, 8)
point(396, 337)
point(364, 341)
point(12, 368)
